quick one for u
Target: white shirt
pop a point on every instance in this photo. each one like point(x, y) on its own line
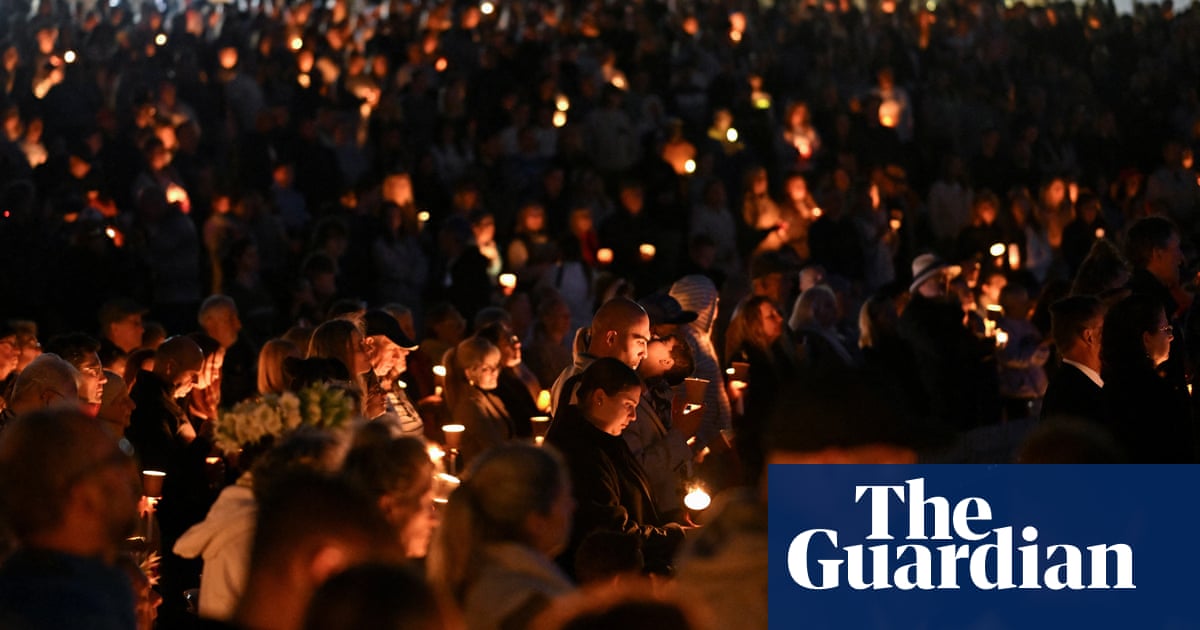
point(1087, 371)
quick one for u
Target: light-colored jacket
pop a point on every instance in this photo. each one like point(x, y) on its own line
point(223, 540)
point(514, 584)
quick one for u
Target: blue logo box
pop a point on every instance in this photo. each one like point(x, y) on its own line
point(986, 547)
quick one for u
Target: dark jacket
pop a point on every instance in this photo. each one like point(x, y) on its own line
point(610, 489)
point(1149, 416)
point(1072, 394)
point(486, 420)
point(1143, 282)
point(957, 369)
point(49, 589)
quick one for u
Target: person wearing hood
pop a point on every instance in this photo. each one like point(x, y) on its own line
point(620, 330)
point(698, 294)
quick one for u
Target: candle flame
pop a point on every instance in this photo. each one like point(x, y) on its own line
point(697, 499)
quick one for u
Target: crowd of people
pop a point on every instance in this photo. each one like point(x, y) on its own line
point(420, 314)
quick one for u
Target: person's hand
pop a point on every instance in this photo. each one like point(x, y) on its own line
point(684, 421)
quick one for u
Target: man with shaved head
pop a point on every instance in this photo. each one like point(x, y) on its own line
point(159, 426)
point(620, 330)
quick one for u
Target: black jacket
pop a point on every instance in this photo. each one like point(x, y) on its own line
point(1149, 416)
point(610, 489)
point(1072, 394)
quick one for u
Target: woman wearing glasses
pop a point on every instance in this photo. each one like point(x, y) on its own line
point(1149, 415)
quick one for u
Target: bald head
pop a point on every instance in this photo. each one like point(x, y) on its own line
point(178, 362)
point(620, 330)
point(47, 380)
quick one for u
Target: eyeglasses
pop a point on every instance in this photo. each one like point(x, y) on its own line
point(1166, 329)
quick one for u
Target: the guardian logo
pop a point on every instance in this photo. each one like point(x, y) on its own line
point(975, 551)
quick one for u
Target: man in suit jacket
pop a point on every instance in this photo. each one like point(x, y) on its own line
point(1074, 391)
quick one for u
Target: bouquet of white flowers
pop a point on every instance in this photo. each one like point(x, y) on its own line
point(270, 416)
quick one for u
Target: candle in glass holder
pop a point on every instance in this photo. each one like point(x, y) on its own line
point(694, 388)
point(740, 371)
point(541, 425)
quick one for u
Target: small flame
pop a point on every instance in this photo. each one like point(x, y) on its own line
point(689, 166)
point(697, 499)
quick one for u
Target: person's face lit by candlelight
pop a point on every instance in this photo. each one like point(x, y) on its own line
point(659, 357)
point(612, 414)
point(91, 380)
point(485, 374)
point(1158, 341)
point(771, 321)
point(9, 355)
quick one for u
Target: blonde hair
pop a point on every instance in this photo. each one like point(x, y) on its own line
point(469, 353)
point(333, 340)
point(502, 487)
point(271, 379)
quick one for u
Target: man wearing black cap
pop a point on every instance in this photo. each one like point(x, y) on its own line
point(387, 349)
point(666, 315)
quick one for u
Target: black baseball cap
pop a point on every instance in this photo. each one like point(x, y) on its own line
point(664, 309)
point(377, 322)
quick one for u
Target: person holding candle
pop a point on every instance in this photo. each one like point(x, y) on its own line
point(472, 375)
point(659, 437)
point(608, 483)
point(503, 526)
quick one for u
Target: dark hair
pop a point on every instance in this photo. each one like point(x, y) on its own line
point(72, 347)
point(375, 595)
point(301, 450)
point(1145, 236)
point(684, 363)
point(1068, 317)
point(609, 376)
point(1121, 346)
point(1100, 270)
point(303, 509)
point(398, 467)
point(42, 454)
point(1069, 441)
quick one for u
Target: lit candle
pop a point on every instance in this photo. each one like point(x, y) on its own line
point(541, 425)
point(441, 64)
point(423, 216)
point(453, 433)
point(508, 280)
point(160, 39)
point(69, 56)
point(560, 119)
point(604, 256)
point(895, 224)
point(543, 400)
point(562, 103)
point(1099, 232)
point(697, 499)
point(647, 251)
point(997, 249)
point(297, 43)
point(487, 8)
point(152, 483)
point(1001, 337)
point(889, 113)
point(731, 134)
point(689, 166)
point(817, 212)
point(304, 80)
point(1014, 256)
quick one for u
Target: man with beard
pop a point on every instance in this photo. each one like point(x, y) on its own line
point(71, 496)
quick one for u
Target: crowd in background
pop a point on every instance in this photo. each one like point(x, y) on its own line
point(276, 249)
